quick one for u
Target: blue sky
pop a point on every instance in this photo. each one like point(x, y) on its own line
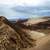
point(13, 9)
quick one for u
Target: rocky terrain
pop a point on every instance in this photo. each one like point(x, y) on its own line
point(40, 25)
point(27, 34)
point(13, 37)
point(39, 29)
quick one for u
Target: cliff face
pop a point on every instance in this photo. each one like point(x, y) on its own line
point(12, 37)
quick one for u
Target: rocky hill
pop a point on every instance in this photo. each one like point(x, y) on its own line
point(23, 33)
point(12, 37)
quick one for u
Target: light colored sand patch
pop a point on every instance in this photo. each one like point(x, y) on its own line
point(36, 35)
point(31, 21)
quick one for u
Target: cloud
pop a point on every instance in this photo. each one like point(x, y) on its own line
point(7, 1)
point(39, 11)
point(25, 2)
point(10, 13)
point(23, 12)
point(24, 8)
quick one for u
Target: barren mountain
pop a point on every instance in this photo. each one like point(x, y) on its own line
point(25, 34)
point(12, 37)
point(41, 25)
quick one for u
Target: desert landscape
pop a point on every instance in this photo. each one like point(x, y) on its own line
point(27, 34)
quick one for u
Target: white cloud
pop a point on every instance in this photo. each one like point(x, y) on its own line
point(25, 2)
point(10, 13)
point(7, 1)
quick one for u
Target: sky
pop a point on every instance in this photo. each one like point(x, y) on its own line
point(25, 2)
point(24, 8)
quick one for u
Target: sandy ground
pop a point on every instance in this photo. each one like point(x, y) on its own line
point(42, 44)
point(31, 21)
point(36, 35)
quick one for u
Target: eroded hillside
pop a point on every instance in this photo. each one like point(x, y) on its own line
point(12, 37)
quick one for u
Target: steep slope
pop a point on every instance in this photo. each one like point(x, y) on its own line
point(12, 37)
